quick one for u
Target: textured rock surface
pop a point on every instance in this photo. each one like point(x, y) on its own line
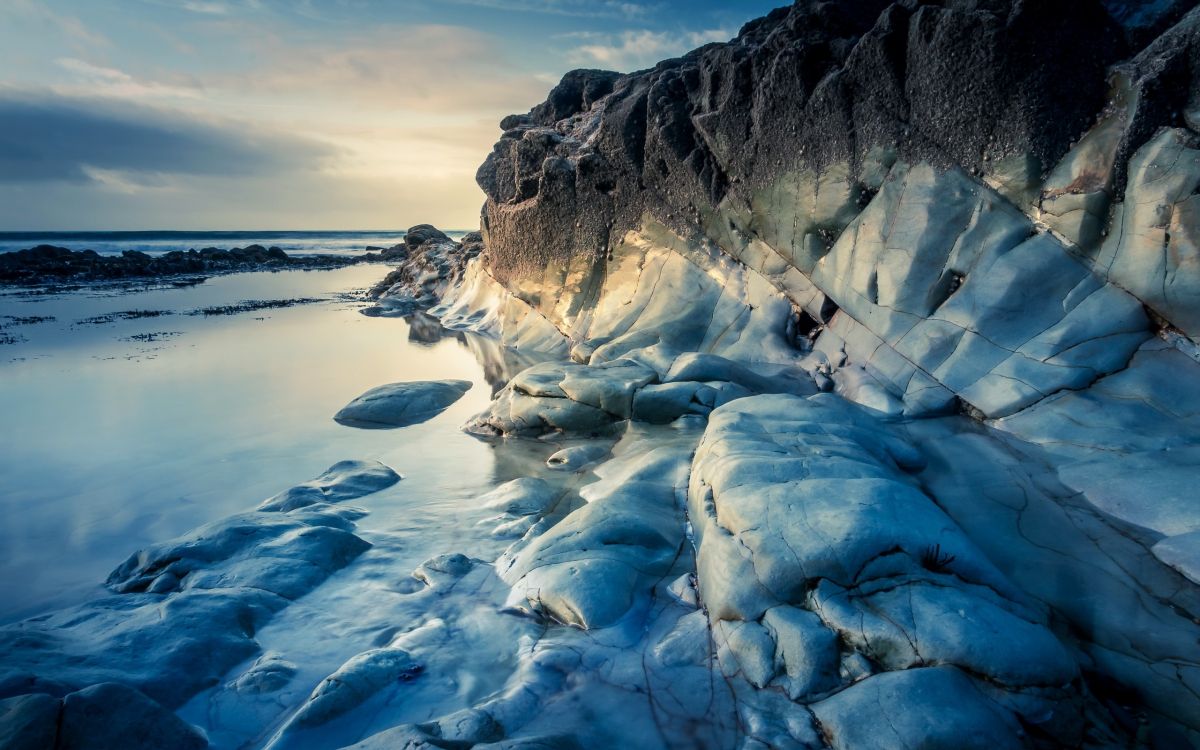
point(430, 262)
point(926, 208)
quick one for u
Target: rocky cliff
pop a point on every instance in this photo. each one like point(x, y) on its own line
point(847, 386)
point(982, 208)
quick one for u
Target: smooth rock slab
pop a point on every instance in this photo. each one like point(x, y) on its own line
point(932, 709)
point(345, 480)
point(1182, 553)
point(401, 404)
point(286, 554)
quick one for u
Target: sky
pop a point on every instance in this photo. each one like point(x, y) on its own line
point(300, 114)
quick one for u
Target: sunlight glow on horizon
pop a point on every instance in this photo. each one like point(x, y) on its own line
point(242, 114)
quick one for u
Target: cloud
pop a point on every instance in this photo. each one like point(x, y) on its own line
point(46, 137)
point(71, 27)
point(433, 69)
point(640, 48)
point(102, 81)
point(579, 8)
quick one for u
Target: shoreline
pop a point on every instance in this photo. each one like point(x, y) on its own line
point(49, 265)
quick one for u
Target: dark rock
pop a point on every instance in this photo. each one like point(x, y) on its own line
point(29, 722)
point(422, 233)
point(959, 82)
point(47, 263)
point(430, 262)
point(110, 716)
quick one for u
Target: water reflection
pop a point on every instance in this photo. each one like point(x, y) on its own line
point(500, 363)
point(126, 432)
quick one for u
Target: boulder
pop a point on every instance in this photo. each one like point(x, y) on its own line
point(402, 404)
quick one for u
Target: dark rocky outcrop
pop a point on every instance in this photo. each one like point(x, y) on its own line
point(430, 262)
point(955, 83)
point(50, 264)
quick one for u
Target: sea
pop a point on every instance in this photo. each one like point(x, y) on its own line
point(338, 242)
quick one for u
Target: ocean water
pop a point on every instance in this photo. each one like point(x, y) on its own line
point(123, 430)
point(156, 243)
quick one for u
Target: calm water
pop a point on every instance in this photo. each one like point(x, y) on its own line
point(154, 243)
point(124, 433)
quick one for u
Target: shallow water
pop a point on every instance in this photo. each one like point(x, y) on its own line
point(124, 433)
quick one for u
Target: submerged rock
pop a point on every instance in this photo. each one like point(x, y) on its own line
point(186, 611)
point(345, 480)
point(402, 404)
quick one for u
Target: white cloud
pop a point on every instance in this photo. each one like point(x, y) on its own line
point(103, 81)
point(640, 48)
point(581, 8)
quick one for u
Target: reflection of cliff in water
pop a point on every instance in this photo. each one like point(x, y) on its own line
point(426, 329)
point(500, 363)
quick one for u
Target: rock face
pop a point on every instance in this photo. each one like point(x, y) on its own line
point(973, 226)
point(402, 404)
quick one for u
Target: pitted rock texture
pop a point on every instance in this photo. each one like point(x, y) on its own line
point(963, 83)
point(959, 193)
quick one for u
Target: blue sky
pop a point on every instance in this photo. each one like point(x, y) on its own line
point(317, 114)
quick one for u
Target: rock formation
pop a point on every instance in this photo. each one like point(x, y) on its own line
point(976, 226)
point(863, 352)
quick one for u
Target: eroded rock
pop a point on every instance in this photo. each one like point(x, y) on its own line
point(402, 404)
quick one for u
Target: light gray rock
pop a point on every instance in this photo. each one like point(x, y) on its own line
point(345, 480)
point(805, 650)
point(950, 277)
point(901, 624)
point(286, 554)
point(444, 569)
point(805, 517)
point(1154, 247)
point(590, 568)
point(524, 496)
point(687, 643)
point(1181, 552)
point(576, 457)
point(355, 681)
point(1048, 537)
point(1146, 416)
point(936, 708)
point(402, 404)
point(746, 649)
point(683, 589)
point(269, 673)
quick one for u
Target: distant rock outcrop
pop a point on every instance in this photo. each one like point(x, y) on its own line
point(47, 264)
